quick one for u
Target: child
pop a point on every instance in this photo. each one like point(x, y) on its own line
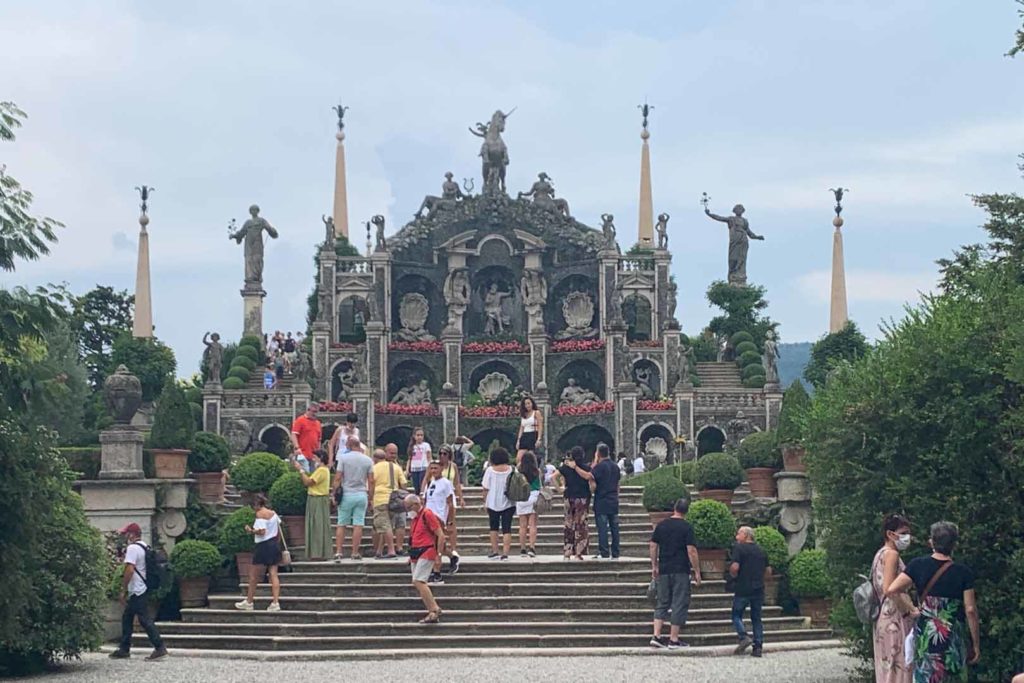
point(419, 458)
point(269, 378)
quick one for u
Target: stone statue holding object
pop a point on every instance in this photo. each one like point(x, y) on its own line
point(493, 152)
point(329, 236)
point(608, 230)
point(740, 235)
point(451, 194)
point(575, 395)
point(770, 358)
point(378, 222)
point(543, 193)
point(412, 395)
point(214, 357)
point(252, 234)
point(494, 315)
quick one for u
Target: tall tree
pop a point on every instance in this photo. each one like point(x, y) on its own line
point(98, 318)
point(848, 344)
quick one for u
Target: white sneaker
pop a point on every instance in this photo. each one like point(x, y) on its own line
point(244, 605)
point(274, 607)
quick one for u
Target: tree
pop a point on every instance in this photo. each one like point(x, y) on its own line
point(54, 385)
point(98, 318)
point(1019, 44)
point(148, 358)
point(848, 344)
point(742, 306)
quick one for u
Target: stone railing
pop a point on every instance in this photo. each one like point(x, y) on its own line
point(248, 399)
point(634, 264)
point(354, 265)
point(751, 398)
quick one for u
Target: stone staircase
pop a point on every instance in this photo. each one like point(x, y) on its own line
point(719, 376)
point(368, 608)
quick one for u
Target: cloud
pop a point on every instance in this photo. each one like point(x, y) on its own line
point(876, 286)
point(122, 242)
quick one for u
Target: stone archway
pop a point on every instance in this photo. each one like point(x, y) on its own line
point(353, 314)
point(411, 372)
point(638, 314)
point(710, 439)
point(656, 440)
point(277, 439)
point(586, 436)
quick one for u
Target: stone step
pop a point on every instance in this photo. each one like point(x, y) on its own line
point(472, 566)
point(405, 599)
point(464, 576)
point(481, 549)
point(457, 588)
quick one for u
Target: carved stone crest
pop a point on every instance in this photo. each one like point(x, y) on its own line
point(492, 386)
point(412, 314)
point(578, 311)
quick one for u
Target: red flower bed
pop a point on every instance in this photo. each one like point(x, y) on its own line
point(567, 345)
point(495, 347)
point(648, 404)
point(489, 411)
point(425, 409)
point(427, 346)
point(345, 345)
point(336, 407)
point(593, 408)
point(649, 343)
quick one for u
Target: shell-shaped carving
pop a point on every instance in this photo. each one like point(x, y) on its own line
point(492, 385)
point(657, 447)
point(413, 311)
point(578, 310)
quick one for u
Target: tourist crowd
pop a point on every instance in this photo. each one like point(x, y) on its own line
point(282, 354)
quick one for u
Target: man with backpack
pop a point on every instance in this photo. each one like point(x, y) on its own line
point(143, 572)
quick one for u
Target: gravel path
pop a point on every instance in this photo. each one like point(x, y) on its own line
point(819, 666)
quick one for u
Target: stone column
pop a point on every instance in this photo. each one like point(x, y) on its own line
point(543, 400)
point(142, 324)
point(662, 317)
point(670, 377)
point(328, 290)
point(795, 516)
point(213, 395)
point(252, 310)
point(538, 342)
point(772, 406)
point(121, 453)
point(645, 224)
point(321, 334)
point(837, 314)
point(340, 191)
point(451, 338)
point(362, 405)
point(377, 358)
point(609, 259)
point(684, 399)
point(448, 404)
point(626, 395)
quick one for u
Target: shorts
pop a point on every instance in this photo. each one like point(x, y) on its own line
point(382, 519)
point(421, 569)
point(502, 516)
point(528, 506)
point(267, 553)
point(528, 441)
point(352, 508)
point(398, 520)
point(673, 598)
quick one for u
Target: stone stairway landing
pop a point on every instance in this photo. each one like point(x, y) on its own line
point(719, 375)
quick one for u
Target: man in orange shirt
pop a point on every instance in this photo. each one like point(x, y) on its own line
point(306, 430)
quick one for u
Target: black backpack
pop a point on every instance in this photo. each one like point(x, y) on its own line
point(157, 568)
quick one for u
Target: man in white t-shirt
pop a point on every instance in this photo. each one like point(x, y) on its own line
point(638, 465)
point(439, 496)
point(133, 597)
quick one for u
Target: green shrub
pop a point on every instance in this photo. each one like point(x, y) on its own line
point(173, 425)
point(661, 494)
point(748, 358)
point(740, 337)
point(759, 450)
point(753, 371)
point(773, 543)
point(713, 524)
point(808, 575)
point(755, 382)
point(251, 341)
point(234, 383)
point(210, 453)
point(687, 471)
point(719, 471)
point(257, 471)
point(746, 347)
point(248, 352)
point(233, 536)
point(190, 559)
point(288, 494)
point(148, 359)
point(241, 361)
point(239, 372)
point(795, 406)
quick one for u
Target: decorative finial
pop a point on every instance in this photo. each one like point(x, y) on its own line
point(144, 193)
point(839, 192)
point(705, 200)
point(645, 109)
point(232, 227)
point(369, 242)
point(340, 111)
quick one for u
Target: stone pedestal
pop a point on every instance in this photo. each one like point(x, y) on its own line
point(538, 342)
point(377, 358)
point(795, 516)
point(156, 505)
point(626, 395)
point(362, 405)
point(213, 394)
point(684, 399)
point(321, 334)
point(448, 404)
point(252, 310)
point(772, 405)
point(121, 453)
point(451, 338)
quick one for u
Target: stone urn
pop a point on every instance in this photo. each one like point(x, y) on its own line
point(295, 529)
point(209, 486)
point(123, 394)
point(243, 561)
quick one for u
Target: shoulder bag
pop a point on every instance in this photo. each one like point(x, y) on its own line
point(286, 555)
point(866, 600)
point(908, 643)
point(396, 501)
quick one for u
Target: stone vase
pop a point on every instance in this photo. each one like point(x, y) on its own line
point(209, 486)
point(193, 591)
point(793, 458)
point(817, 610)
point(762, 482)
point(712, 563)
point(122, 392)
point(294, 530)
point(721, 495)
point(170, 463)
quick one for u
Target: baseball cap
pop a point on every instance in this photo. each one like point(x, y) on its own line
point(131, 528)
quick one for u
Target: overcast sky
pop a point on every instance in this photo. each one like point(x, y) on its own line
point(217, 105)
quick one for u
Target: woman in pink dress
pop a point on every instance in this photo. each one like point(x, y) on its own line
point(895, 618)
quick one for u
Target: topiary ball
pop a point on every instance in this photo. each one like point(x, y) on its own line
point(250, 352)
point(808, 574)
point(250, 340)
point(740, 337)
point(234, 383)
point(243, 362)
point(190, 559)
point(661, 493)
point(257, 471)
point(753, 370)
point(210, 453)
point(233, 536)
point(773, 543)
point(288, 494)
point(686, 471)
point(755, 382)
point(746, 347)
point(759, 450)
point(239, 373)
point(713, 523)
point(719, 471)
point(748, 359)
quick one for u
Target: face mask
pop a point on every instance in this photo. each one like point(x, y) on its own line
point(410, 515)
point(902, 541)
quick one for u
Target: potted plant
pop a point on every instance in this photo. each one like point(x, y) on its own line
point(773, 543)
point(795, 404)
point(193, 563)
point(661, 493)
point(808, 580)
point(172, 433)
point(717, 475)
point(715, 529)
point(210, 455)
point(256, 473)
point(759, 457)
point(236, 541)
point(288, 498)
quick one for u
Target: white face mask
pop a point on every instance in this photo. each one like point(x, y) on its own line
point(902, 541)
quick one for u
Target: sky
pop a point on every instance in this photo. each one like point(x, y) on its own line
point(911, 105)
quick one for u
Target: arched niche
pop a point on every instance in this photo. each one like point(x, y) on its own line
point(484, 369)
point(505, 281)
point(656, 439)
point(588, 375)
point(487, 437)
point(341, 373)
point(554, 320)
point(586, 436)
point(638, 314)
point(647, 376)
point(277, 439)
point(410, 372)
point(353, 314)
point(710, 439)
point(400, 436)
point(413, 283)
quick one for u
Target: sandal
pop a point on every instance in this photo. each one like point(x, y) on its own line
point(431, 618)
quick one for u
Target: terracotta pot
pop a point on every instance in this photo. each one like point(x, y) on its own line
point(295, 530)
point(658, 517)
point(721, 495)
point(243, 561)
point(762, 482)
point(712, 563)
point(193, 591)
point(817, 609)
point(209, 486)
point(793, 458)
point(170, 463)
point(771, 588)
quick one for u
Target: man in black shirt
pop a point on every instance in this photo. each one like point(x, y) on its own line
point(747, 571)
point(606, 502)
point(673, 557)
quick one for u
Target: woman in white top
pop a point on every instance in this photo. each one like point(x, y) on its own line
point(266, 531)
point(499, 508)
point(531, 427)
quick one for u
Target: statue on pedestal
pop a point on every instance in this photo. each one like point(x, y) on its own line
point(329, 235)
point(495, 318)
point(214, 357)
point(684, 361)
point(608, 229)
point(533, 288)
point(493, 152)
point(543, 193)
point(575, 395)
point(739, 241)
point(645, 382)
point(456, 288)
point(378, 222)
point(661, 227)
point(252, 233)
point(770, 358)
point(412, 395)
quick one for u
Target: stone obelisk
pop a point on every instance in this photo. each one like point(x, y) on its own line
point(340, 191)
point(143, 317)
point(645, 222)
point(838, 313)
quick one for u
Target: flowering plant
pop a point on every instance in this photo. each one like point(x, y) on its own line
point(336, 407)
point(646, 343)
point(424, 346)
point(651, 404)
point(511, 346)
point(423, 409)
point(567, 345)
point(593, 408)
point(488, 411)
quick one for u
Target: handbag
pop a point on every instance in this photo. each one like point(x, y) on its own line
point(908, 642)
point(544, 500)
point(286, 555)
point(866, 601)
point(396, 501)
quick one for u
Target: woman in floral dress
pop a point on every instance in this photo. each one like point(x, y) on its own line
point(895, 616)
point(946, 632)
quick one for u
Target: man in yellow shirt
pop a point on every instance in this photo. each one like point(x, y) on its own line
point(387, 478)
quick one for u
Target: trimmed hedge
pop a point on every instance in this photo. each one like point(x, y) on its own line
point(173, 424)
point(288, 494)
point(190, 559)
point(759, 450)
point(773, 543)
point(795, 406)
point(753, 370)
point(239, 372)
point(250, 353)
point(254, 342)
point(661, 494)
point(257, 471)
point(687, 471)
point(748, 358)
point(808, 575)
point(755, 382)
point(740, 337)
point(210, 453)
point(719, 471)
point(713, 524)
point(746, 347)
point(233, 536)
point(240, 361)
point(234, 383)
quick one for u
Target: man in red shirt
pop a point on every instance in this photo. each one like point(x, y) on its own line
point(426, 537)
point(306, 431)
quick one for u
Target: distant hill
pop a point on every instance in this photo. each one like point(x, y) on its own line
point(793, 359)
